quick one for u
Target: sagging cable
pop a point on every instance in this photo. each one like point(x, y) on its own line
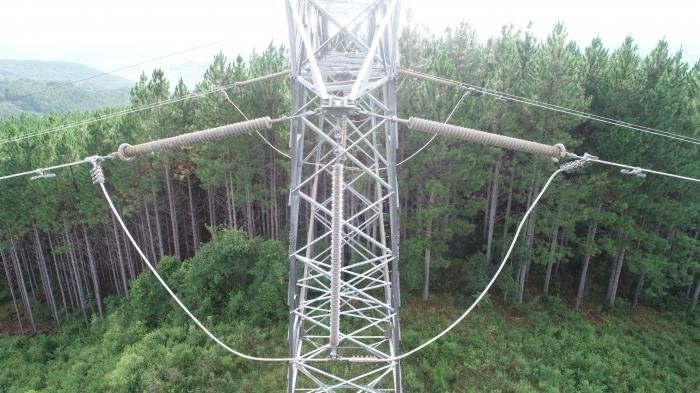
point(99, 179)
point(632, 170)
point(45, 173)
point(568, 167)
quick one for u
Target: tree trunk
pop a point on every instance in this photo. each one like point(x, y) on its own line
point(93, 272)
point(263, 221)
point(273, 199)
point(120, 257)
point(193, 219)
point(249, 213)
point(151, 242)
point(522, 272)
point(45, 278)
point(552, 250)
point(12, 291)
point(58, 276)
point(562, 245)
point(80, 260)
point(611, 277)
point(696, 295)
point(231, 202)
point(616, 278)
point(506, 219)
point(141, 237)
point(77, 283)
point(529, 241)
point(129, 261)
point(24, 263)
point(493, 205)
point(638, 290)
point(489, 192)
point(426, 254)
point(67, 275)
point(22, 287)
point(613, 267)
point(592, 228)
point(113, 275)
point(159, 232)
point(212, 206)
point(171, 207)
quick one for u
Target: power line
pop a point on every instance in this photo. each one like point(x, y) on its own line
point(69, 83)
point(263, 359)
point(98, 177)
point(434, 135)
point(177, 300)
point(142, 108)
point(46, 172)
point(495, 275)
point(633, 170)
point(172, 294)
point(127, 152)
point(568, 167)
point(105, 117)
point(527, 101)
point(280, 152)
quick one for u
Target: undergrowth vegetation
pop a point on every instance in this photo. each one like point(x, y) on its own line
point(237, 287)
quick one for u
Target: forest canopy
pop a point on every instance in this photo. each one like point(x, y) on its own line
point(598, 240)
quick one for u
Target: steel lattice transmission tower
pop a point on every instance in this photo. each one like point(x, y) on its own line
point(344, 229)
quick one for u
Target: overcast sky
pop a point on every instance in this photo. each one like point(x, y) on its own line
point(109, 35)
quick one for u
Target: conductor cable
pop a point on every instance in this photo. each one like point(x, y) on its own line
point(486, 289)
point(177, 300)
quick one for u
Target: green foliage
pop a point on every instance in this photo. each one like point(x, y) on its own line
point(236, 282)
point(528, 349)
point(235, 276)
point(146, 344)
point(149, 302)
point(17, 97)
point(549, 350)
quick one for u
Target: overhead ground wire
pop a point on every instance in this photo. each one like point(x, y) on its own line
point(528, 101)
point(142, 108)
point(122, 68)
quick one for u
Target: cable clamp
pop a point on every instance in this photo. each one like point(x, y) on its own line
point(96, 173)
point(40, 174)
point(573, 166)
point(468, 90)
point(634, 172)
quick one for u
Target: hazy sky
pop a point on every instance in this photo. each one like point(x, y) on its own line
point(108, 35)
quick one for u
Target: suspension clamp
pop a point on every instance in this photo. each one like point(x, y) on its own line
point(40, 174)
point(96, 173)
point(573, 166)
point(634, 172)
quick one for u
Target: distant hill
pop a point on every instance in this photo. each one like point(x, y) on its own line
point(28, 86)
point(59, 71)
